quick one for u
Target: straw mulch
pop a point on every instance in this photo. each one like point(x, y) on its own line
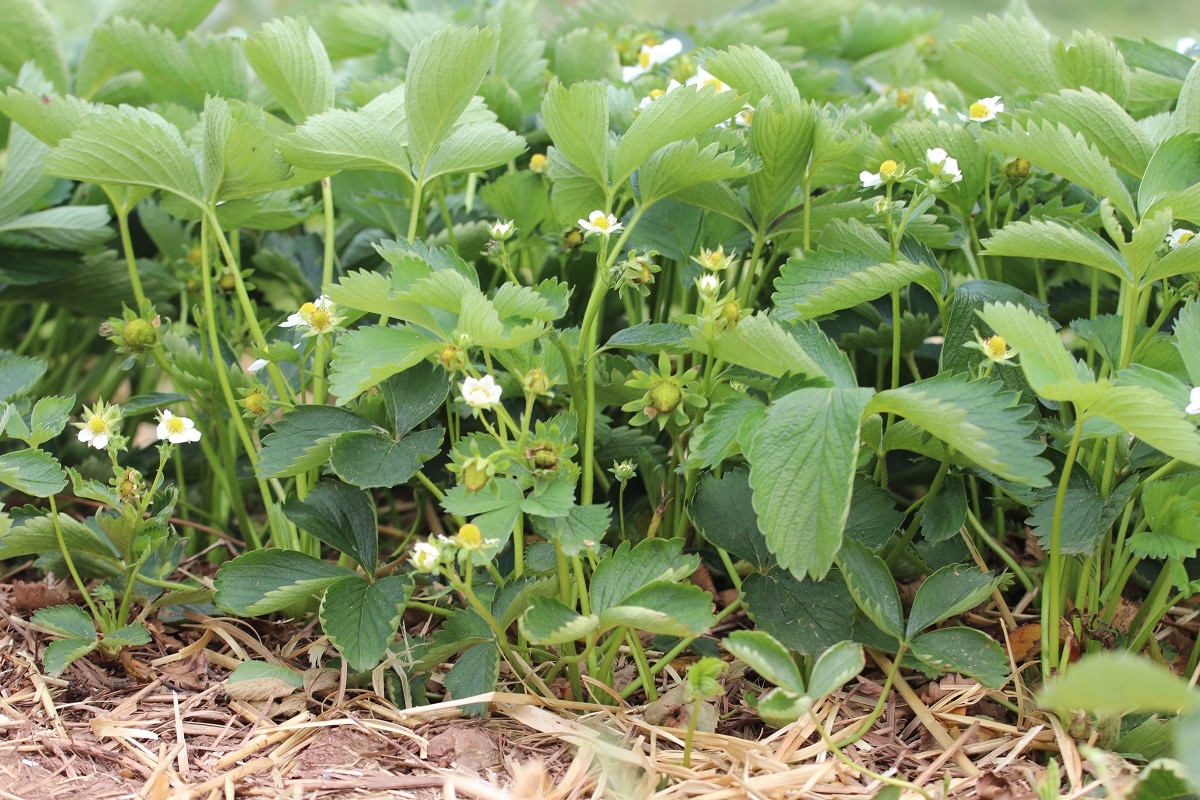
point(159, 724)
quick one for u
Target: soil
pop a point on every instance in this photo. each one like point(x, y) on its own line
point(159, 723)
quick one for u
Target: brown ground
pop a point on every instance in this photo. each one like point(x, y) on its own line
point(159, 724)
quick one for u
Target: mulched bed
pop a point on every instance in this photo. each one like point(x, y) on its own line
point(159, 723)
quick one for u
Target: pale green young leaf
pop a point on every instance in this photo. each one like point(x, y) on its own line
point(585, 54)
point(679, 114)
point(519, 58)
point(262, 581)
point(32, 471)
point(351, 30)
point(369, 138)
point(966, 651)
point(28, 36)
point(574, 194)
point(825, 282)
point(18, 373)
point(1051, 371)
point(130, 635)
point(802, 462)
point(38, 535)
point(681, 165)
point(762, 344)
point(1173, 511)
point(876, 28)
point(184, 70)
point(753, 73)
point(128, 145)
point(360, 616)
point(1186, 118)
point(1172, 178)
point(1016, 46)
point(49, 117)
point(365, 357)
point(64, 227)
point(872, 586)
point(474, 147)
point(99, 63)
point(1145, 243)
point(763, 653)
point(444, 73)
point(290, 60)
point(576, 119)
point(949, 591)
point(782, 139)
point(1187, 339)
point(548, 621)
point(1149, 416)
point(834, 667)
point(980, 419)
point(579, 530)
point(663, 607)
point(1059, 241)
point(1103, 123)
point(1182, 260)
point(1119, 681)
point(239, 155)
point(301, 440)
point(1093, 61)
point(49, 417)
point(1056, 148)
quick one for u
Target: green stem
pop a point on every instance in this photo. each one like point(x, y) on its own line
point(135, 280)
point(415, 214)
point(1052, 598)
point(66, 554)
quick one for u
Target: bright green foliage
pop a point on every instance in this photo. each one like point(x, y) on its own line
point(1119, 682)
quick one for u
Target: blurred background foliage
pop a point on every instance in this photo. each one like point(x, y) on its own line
point(1161, 20)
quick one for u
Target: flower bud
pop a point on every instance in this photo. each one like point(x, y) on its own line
point(728, 315)
point(1016, 171)
point(476, 473)
point(539, 163)
point(537, 382)
point(624, 470)
point(665, 396)
point(139, 336)
point(453, 358)
point(543, 458)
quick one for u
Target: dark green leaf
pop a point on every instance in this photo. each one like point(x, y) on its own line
point(303, 439)
point(834, 667)
point(949, 591)
point(966, 651)
point(263, 581)
point(582, 528)
point(872, 586)
point(628, 568)
point(723, 511)
point(361, 617)
point(413, 395)
point(806, 616)
point(548, 621)
point(370, 459)
point(802, 463)
point(475, 672)
point(342, 517)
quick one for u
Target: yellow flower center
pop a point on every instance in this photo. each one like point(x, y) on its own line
point(307, 308)
point(903, 97)
point(538, 162)
point(644, 59)
point(175, 425)
point(256, 403)
point(320, 320)
point(469, 537)
point(995, 346)
point(97, 424)
point(600, 222)
point(888, 168)
point(978, 110)
point(1186, 237)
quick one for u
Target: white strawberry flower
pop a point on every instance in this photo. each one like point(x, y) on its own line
point(650, 56)
point(481, 393)
point(941, 165)
point(1194, 405)
point(1179, 236)
point(176, 430)
point(984, 109)
point(601, 223)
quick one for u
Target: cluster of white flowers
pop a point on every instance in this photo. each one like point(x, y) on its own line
point(941, 165)
point(650, 56)
point(101, 426)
